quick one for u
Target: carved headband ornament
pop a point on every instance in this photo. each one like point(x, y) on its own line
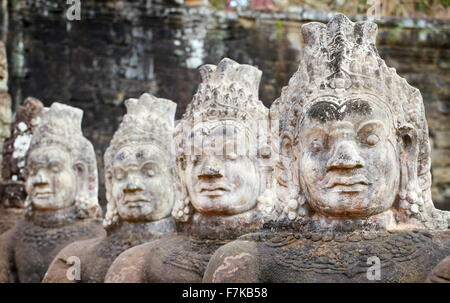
point(149, 120)
point(61, 125)
point(340, 62)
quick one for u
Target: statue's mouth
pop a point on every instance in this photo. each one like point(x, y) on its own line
point(351, 184)
point(213, 190)
point(135, 201)
point(41, 195)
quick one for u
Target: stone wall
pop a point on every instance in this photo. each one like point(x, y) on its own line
point(121, 49)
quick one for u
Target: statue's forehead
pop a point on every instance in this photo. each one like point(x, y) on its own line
point(48, 153)
point(146, 152)
point(355, 111)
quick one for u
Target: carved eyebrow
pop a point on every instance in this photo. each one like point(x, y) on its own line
point(153, 163)
point(312, 131)
point(54, 162)
point(378, 123)
point(340, 125)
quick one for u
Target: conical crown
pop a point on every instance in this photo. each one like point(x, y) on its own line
point(229, 91)
point(149, 120)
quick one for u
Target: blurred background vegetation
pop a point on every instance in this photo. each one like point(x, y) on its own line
point(399, 8)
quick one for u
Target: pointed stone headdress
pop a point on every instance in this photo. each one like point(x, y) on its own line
point(228, 92)
point(149, 120)
point(341, 62)
point(61, 125)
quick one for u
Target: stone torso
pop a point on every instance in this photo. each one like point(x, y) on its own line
point(405, 256)
point(35, 246)
point(97, 255)
point(180, 259)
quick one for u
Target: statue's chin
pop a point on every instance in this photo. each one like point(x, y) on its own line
point(349, 209)
point(225, 206)
point(46, 205)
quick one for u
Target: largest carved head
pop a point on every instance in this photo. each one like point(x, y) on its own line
point(354, 130)
point(61, 165)
point(140, 163)
point(222, 143)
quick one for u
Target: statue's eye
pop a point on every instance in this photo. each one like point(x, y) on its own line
point(372, 140)
point(232, 156)
point(316, 145)
point(150, 172)
point(119, 174)
point(55, 167)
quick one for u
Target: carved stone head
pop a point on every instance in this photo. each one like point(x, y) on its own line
point(140, 163)
point(61, 165)
point(353, 132)
point(27, 118)
point(222, 143)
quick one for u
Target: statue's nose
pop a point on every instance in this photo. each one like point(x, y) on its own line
point(134, 184)
point(40, 179)
point(211, 168)
point(345, 156)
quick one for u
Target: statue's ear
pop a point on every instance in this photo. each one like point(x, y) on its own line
point(108, 185)
point(286, 146)
point(81, 177)
point(409, 150)
point(283, 170)
point(181, 162)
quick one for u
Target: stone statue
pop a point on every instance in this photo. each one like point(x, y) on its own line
point(353, 177)
point(61, 204)
point(223, 163)
point(13, 192)
point(139, 165)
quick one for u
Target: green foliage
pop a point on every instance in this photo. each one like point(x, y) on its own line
point(218, 4)
point(445, 3)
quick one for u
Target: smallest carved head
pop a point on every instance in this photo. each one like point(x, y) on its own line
point(140, 161)
point(222, 143)
point(61, 165)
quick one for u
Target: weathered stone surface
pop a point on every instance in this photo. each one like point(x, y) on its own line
point(223, 165)
point(140, 163)
point(61, 205)
point(404, 256)
point(355, 162)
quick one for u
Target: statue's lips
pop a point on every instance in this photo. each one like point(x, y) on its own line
point(136, 201)
point(348, 184)
point(45, 194)
point(213, 190)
